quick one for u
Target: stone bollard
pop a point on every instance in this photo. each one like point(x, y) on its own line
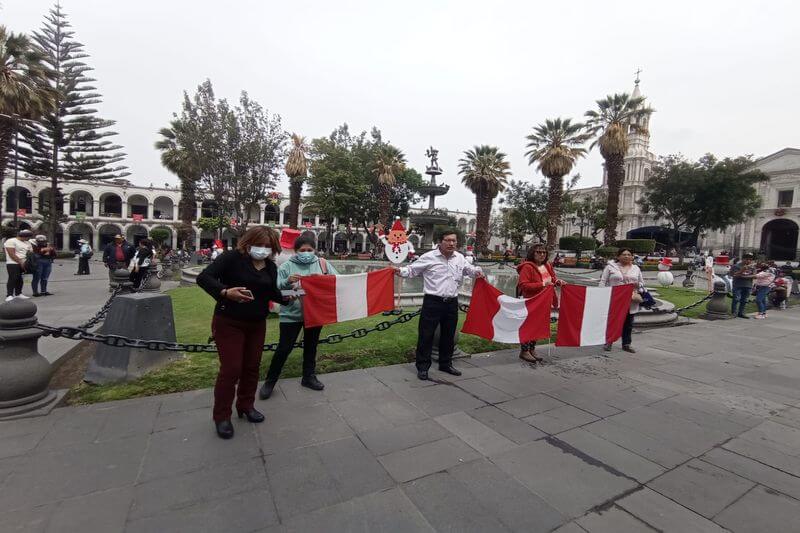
point(141, 315)
point(121, 277)
point(153, 283)
point(24, 372)
point(718, 307)
point(458, 353)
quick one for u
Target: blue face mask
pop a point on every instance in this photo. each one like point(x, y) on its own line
point(306, 257)
point(260, 252)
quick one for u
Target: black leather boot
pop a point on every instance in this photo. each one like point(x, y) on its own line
point(251, 414)
point(312, 383)
point(266, 389)
point(224, 429)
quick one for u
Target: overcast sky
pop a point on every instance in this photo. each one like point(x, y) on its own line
point(721, 75)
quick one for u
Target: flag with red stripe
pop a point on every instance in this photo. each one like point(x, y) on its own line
point(331, 299)
point(590, 316)
point(502, 318)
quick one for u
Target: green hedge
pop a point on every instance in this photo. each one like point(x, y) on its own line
point(639, 246)
point(607, 251)
point(576, 243)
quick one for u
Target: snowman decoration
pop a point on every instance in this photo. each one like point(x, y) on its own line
point(396, 243)
point(665, 277)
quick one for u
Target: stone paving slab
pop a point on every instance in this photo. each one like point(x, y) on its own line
point(667, 440)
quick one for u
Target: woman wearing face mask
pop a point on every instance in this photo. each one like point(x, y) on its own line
point(303, 263)
point(243, 281)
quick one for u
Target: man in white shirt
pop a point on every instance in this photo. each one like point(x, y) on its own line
point(17, 250)
point(442, 271)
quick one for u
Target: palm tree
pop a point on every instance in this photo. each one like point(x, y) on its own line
point(24, 93)
point(297, 171)
point(485, 172)
point(389, 162)
point(179, 157)
point(556, 145)
point(610, 123)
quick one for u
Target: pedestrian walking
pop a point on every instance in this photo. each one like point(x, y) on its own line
point(85, 253)
point(243, 282)
point(621, 272)
point(442, 270)
point(304, 262)
point(765, 277)
point(45, 255)
point(117, 254)
point(141, 261)
point(535, 273)
point(18, 249)
point(742, 274)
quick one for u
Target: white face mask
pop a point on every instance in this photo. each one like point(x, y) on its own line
point(260, 252)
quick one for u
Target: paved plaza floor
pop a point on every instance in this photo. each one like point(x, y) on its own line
point(698, 431)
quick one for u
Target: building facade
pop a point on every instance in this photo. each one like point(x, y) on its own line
point(773, 231)
point(98, 210)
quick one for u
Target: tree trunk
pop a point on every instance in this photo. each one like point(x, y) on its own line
point(484, 207)
point(295, 190)
point(554, 194)
point(53, 209)
point(615, 169)
point(6, 134)
point(384, 196)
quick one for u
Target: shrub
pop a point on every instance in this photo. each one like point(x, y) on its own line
point(159, 234)
point(639, 246)
point(607, 251)
point(576, 243)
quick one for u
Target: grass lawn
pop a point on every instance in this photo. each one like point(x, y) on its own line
point(193, 309)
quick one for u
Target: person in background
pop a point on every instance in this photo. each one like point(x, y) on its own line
point(45, 255)
point(303, 263)
point(742, 274)
point(621, 272)
point(763, 282)
point(243, 282)
point(141, 261)
point(535, 273)
point(117, 254)
point(442, 270)
point(17, 250)
point(84, 254)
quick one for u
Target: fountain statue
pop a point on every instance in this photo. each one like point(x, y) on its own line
point(425, 220)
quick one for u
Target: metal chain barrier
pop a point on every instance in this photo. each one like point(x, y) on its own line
point(679, 310)
point(103, 311)
point(81, 334)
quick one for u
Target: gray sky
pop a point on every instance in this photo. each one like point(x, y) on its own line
point(721, 75)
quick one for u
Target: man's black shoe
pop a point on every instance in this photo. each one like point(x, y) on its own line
point(743, 316)
point(450, 370)
point(422, 374)
point(266, 389)
point(312, 383)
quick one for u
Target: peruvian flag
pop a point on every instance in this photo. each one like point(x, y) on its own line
point(331, 299)
point(592, 315)
point(502, 318)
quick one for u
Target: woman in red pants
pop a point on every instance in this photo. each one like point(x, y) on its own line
point(243, 281)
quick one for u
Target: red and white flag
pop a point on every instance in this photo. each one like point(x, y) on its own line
point(331, 299)
point(502, 318)
point(592, 315)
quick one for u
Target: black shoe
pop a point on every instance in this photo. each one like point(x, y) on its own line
point(266, 389)
point(45, 293)
point(450, 370)
point(743, 316)
point(607, 347)
point(224, 429)
point(251, 414)
point(312, 383)
point(628, 348)
point(36, 294)
point(422, 375)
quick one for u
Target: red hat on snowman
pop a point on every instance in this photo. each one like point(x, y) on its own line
point(397, 226)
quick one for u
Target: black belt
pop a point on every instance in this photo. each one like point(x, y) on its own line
point(444, 299)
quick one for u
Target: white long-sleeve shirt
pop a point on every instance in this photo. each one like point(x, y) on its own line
point(441, 276)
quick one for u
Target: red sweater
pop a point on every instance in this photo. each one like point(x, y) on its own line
point(530, 280)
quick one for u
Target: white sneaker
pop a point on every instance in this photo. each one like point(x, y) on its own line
point(23, 297)
point(9, 298)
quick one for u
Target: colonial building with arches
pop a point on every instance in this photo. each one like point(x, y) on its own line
point(98, 210)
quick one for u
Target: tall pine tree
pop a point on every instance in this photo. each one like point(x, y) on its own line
point(71, 141)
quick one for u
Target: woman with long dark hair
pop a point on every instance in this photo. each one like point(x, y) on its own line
point(243, 281)
point(535, 273)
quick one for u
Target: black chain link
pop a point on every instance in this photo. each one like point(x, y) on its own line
point(103, 311)
point(81, 334)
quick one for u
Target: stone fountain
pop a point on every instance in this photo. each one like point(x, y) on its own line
point(425, 220)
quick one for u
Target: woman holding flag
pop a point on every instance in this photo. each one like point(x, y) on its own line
point(304, 262)
point(621, 272)
point(535, 273)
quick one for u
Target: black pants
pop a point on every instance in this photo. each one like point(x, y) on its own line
point(14, 285)
point(437, 311)
point(627, 330)
point(137, 276)
point(83, 266)
point(289, 332)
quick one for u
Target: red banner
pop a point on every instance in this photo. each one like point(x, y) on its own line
point(22, 212)
point(138, 218)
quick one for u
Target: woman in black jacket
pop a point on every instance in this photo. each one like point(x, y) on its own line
point(243, 281)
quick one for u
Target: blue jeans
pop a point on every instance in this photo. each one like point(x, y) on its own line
point(41, 275)
point(740, 295)
point(761, 299)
